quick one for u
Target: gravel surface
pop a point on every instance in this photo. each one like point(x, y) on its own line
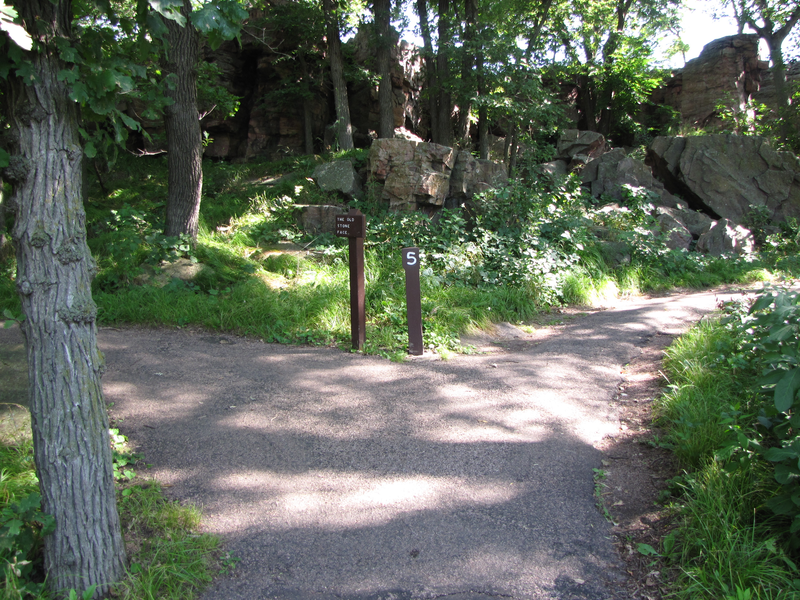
point(339, 476)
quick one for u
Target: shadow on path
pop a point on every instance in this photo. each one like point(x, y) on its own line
point(334, 475)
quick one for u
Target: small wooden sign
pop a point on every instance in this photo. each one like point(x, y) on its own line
point(413, 301)
point(351, 226)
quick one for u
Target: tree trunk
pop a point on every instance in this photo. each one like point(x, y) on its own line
point(182, 122)
point(483, 110)
point(774, 39)
point(308, 121)
point(512, 159)
point(2, 219)
point(344, 126)
point(382, 22)
point(54, 270)
point(431, 77)
point(468, 76)
point(445, 135)
point(483, 132)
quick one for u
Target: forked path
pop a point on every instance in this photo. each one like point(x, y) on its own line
point(338, 476)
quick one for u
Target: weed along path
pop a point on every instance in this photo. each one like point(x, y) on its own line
point(338, 476)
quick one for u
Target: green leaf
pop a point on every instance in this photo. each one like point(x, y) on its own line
point(762, 303)
point(13, 527)
point(772, 377)
point(782, 504)
point(785, 474)
point(70, 55)
point(783, 333)
point(89, 150)
point(27, 74)
point(69, 75)
point(780, 454)
point(129, 122)
point(169, 9)
point(4, 158)
point(79, 93)
point(646, 550)
point(785, 390)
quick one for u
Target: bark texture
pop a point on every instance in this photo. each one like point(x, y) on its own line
point(382, 22)
point(182, 123)
point(445, 134)
point(344, 126)
point(2, 219)
point(54, 271)
point(431, 77)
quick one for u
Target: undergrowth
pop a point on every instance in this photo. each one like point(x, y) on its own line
point(507, 255)
point(168, 558)
point(731, 417)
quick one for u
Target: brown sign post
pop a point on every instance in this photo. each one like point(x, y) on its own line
point(353, 226)
point(413, 301)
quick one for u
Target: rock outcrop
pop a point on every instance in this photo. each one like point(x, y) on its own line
point(728, 70)
point(424, 176)
point(720, 176)
point(273, 114)
point(574, 142)
point(414, 175)
point(339, 176)
point(726, 237)
point(727, 175)
point(471, 176)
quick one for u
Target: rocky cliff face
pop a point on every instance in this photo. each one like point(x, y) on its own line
point(729, 176)
point(728, 71)
point(270, 122)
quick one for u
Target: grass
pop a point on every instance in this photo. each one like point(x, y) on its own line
point(727, 545)
point(168, 558)
point(509, 262)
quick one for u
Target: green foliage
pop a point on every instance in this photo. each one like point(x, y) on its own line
point(729, 540)
point(771, 340)
point(756, 118)
point(22, 523)
point(169, 559)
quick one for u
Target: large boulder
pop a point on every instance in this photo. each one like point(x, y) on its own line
point(339, 176)
point(678, 236)
point(725, 237)
point(728, 175)
point(413, 174)
point(605, 176)
point(318, 218)
point(695, 222)
point(574, 142)
point(472, 175)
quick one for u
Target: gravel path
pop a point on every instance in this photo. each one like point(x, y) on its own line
point(339, 476)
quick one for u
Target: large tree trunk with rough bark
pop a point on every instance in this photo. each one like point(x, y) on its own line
point(2, 218)
point(469, 72)
point(54, 271)
point(182, 123)
point(308, 121)
point(431, 77)
point(386, 110)
point(344, 126)
point(445, 134)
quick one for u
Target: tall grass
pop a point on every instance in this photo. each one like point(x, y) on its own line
point(727, 544)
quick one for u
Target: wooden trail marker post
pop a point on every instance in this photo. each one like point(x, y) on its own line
point(353, 226)
point(413, 301)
